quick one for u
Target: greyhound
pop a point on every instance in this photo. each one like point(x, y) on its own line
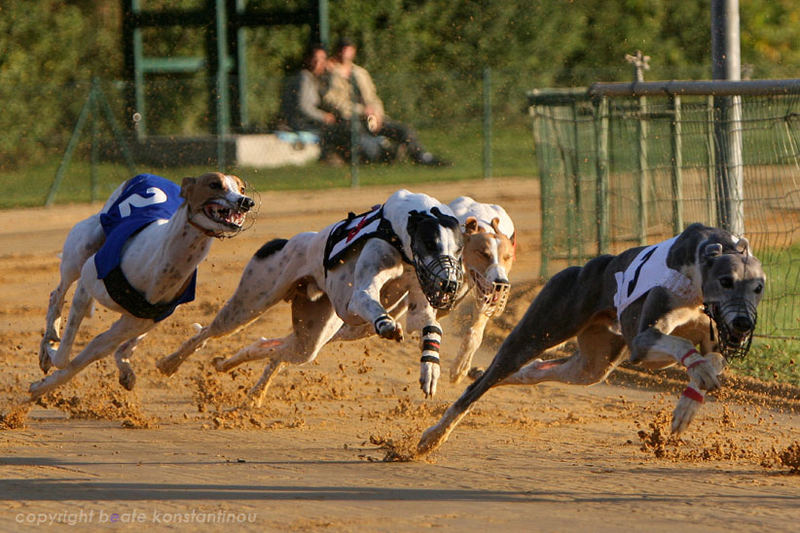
point(138, 257)
point(345, 274)
point(701, 288)
point(489, 252)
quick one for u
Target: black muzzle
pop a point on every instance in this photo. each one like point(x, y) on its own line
point(735, 323)
point(440, 279)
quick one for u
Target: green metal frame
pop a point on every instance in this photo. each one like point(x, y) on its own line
point(96, 102)
point(225, 22)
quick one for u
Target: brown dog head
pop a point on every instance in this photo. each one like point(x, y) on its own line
point(216, 202)
point(488, 257)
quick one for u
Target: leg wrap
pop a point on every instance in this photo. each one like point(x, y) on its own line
point(431, 339)
point(692, 358)
point(380, 321)
point(693, 394)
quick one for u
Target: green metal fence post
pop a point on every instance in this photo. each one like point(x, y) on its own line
point(93, 165)
point(222, 96)
point(487, 123)
point(601, 125)
point(116, 130)
point(677, 165)
point(73, 143)
point(545, 190)
point(139, 88)
point(576, 182)
point(355, 130)
point(711, 178)
point(642, 170)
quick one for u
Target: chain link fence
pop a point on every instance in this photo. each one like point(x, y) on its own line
point(622, 171)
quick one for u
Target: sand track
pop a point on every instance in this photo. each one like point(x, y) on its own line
point(545, 458)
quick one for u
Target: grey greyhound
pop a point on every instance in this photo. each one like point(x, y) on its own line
point(700, 290)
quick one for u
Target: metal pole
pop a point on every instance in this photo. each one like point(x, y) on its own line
point(222, 102)
point(487, 123)
point(545, 185)
point(240, 44)
point(355, 130)
point(73, 143)
point(115, 129)
point(576, 182)
point(138, 73)
point(324, 23)
point(677, 165)
point(711, 189)
point(726, 65)
point(601, 125)
point(640, 64)
point(95, 132)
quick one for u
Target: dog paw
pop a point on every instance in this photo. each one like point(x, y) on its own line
point(684, 413)
point(127, 379)
point(389, 328)
point(475, 372)
point(39, 388)
point(219, 364)
point(45, 357)
point(704, 371)
point(429, 378)
point(460, 369)
point(168, 365)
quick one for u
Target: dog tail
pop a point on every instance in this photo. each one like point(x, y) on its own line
point(197, 327)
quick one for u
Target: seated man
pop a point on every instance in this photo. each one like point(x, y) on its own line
point(366, 106)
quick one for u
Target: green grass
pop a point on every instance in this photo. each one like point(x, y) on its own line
point(771, 360)
point(512, 155)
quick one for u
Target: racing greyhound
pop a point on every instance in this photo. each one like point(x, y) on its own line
point(489, 250)
point(701, 288)
point(345, 274)
point(138, 256)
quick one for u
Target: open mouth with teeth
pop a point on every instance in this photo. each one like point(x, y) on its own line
point(232, 218)
point(491, 296)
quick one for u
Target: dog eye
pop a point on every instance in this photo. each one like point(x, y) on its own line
point(726, 282)
point(758, 289)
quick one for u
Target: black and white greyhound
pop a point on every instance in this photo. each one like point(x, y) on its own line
point(352, 272)
point(700, 290)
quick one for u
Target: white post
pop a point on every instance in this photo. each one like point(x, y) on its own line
point(726, 65)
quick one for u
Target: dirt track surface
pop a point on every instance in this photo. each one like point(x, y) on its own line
point(546, 458)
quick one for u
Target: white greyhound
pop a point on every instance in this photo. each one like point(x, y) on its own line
point(138, 257)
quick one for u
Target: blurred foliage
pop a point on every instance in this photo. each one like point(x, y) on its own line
point(427, 56)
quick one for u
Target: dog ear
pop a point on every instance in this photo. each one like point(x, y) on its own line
point(471, 226)
point(496, 225)
point(711, 250)
point(743, 246)
point(413, 220)
point(186, 185)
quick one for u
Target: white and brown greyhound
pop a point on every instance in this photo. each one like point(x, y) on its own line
point(489, 253)
point(662, 302)
point(347, 273)
point(138, 256)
